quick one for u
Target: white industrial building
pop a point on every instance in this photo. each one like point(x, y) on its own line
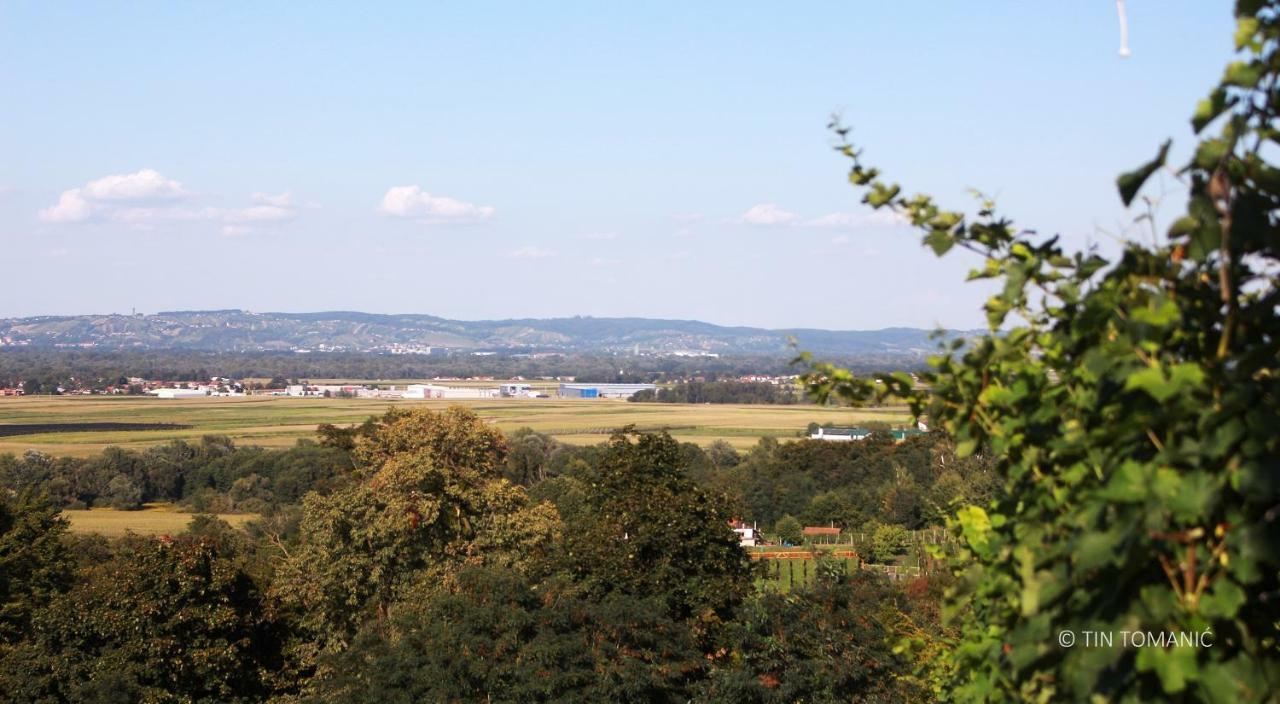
point(603, 390)
point(179, 393)
point(515, 389)
point(425, 391)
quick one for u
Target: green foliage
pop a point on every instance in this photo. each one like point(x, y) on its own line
point(888, 542)
point(495, 637)
point(645, 529)
point(203, 476)
point(832, 643)
point(35, 564)
point(849, 483)
point(789, 530)
point(162, 621)
point(431, 501)
point(454, 437)
point(1132, 408)
point(531, 456)
point(719, 392)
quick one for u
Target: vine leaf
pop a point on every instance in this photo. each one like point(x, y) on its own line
point(1130, 183)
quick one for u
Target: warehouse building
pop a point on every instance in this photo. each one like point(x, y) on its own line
point(603, 390)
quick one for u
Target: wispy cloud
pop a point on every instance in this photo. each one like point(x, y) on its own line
point(768, 214)
point(773, 215)
point(530, 252)
point(871, 218)
point(413, 203)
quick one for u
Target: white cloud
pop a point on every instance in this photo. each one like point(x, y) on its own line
point(840, 239)
point(768, 214)
point(413, 203)
point(144, 185)
point(605, 261)
point(109, 196)
point(872, 218)
point(146, 199)
point(71, 207)
point(529, 252)
point(59, 252)
point(602, 236)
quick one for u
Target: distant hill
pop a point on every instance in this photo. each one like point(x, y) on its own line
point(345, 331)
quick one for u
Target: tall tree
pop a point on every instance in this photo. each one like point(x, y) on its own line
point(646, 529)
point(430, 498)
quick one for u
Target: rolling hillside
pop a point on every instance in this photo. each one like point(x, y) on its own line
point(343, 331)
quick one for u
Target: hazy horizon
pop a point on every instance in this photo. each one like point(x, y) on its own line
point(474, 320)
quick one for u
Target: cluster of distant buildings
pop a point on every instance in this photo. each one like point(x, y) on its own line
point(514, 389)
point(749, 536)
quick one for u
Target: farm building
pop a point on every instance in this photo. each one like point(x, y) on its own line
point(851, 434)
point(840, 434)
point(603, 390)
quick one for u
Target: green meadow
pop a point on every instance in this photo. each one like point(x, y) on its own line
point(276, 421)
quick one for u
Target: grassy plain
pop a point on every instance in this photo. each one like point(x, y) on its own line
point(155, 519)
point(276, 421)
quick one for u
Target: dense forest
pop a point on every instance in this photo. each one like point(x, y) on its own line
point(720, 392)
point(425, 556)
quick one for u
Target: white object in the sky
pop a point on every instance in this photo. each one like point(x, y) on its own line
point(1124, 29)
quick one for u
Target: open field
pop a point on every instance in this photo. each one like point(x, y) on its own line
point(276, 421)
point(155, 519)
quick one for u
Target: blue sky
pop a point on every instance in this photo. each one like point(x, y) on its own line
point(484, 160)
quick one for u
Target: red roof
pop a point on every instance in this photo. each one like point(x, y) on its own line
point(820, 530)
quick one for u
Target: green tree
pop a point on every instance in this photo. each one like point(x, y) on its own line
point(433, 501)
point(529, 456)
point(1131, 407)
point(123, 493)
point(35, 564)
point(645, 529)
point(831, 643)
point(163, 620)
point(493, 636)
point(789, 530)
point(887, 542)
